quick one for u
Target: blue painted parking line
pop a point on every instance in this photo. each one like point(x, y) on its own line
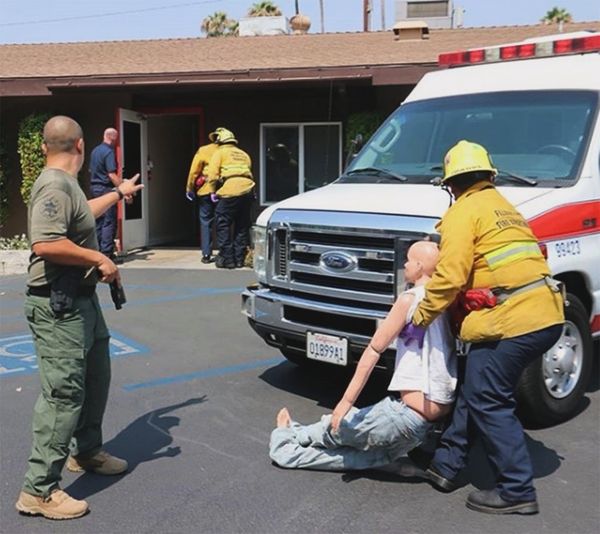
point(206, 373)
point(189, 294)
point(17, 353)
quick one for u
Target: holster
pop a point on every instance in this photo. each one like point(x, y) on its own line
point(63, 289)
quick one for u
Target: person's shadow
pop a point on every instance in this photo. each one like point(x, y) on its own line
point(145, 439)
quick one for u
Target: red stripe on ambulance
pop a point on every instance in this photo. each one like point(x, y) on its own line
point(570, 220)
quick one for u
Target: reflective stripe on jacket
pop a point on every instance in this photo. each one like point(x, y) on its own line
point(230, 168)
point(199, 167)
point(486, 242)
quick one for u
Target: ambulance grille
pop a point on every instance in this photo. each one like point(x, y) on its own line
point(356, 265)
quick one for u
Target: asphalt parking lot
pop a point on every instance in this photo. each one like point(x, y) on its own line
point(193, 400)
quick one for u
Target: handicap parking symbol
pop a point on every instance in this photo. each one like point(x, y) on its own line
point(17, 353)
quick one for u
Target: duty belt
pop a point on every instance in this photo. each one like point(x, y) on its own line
point(44, 291)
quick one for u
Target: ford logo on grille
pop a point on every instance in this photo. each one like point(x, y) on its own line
point(338, 262)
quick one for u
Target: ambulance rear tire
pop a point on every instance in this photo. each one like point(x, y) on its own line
point(552, 387)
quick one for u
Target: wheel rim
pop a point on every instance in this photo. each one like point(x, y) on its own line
point(562, 363)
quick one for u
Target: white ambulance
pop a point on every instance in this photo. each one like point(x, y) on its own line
point(329, 262)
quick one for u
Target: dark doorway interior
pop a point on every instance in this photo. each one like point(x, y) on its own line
point(172, 142)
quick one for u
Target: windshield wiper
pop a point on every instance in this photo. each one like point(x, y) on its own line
point(377, 171)
point(512, 177)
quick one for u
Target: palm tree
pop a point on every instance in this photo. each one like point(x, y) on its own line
point(219, 24)
point(264, 9)
point(557, 15)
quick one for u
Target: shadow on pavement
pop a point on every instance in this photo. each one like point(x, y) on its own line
point(325, 384)
point(478, 472)
point(143, 440)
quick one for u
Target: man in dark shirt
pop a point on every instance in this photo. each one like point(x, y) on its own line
point(103, 177)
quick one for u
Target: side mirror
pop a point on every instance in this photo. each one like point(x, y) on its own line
point(355, 145)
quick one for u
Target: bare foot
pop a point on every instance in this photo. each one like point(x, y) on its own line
point(283, 418)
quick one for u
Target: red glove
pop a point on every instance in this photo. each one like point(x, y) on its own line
point(200, 181)
point(477, 299)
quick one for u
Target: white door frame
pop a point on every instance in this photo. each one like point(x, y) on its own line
point(134, 232)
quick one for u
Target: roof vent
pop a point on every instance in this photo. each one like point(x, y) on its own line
point(410, 29)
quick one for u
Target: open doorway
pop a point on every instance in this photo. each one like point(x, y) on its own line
point(172, 142)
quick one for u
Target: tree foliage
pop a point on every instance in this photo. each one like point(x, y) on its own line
point(29, 147)
point(556, 15)
point(364, 123)
point(264, 9)
point(219, 24)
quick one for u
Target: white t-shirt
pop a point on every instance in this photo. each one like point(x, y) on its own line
point(431, 369)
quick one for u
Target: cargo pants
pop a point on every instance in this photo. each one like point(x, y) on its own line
point(74, 367)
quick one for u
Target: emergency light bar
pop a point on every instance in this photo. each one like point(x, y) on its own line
point(578, 45)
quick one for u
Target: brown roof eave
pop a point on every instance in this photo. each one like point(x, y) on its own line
point(400, 74)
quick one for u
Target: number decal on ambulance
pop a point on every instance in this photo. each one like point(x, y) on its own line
point(567, 248)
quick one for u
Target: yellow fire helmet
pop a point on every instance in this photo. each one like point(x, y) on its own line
point(213, 136)
point(223, 136)
point(466, 156)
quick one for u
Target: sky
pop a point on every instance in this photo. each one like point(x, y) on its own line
point(40, 21)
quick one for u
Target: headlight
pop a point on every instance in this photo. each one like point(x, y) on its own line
point(259, 239)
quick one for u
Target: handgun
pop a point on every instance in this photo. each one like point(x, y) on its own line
point(117, 293)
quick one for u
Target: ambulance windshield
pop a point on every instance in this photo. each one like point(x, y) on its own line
point(536, 134)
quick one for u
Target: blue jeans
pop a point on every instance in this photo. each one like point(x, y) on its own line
point(486, 405)
point(106, 224)
point(368, 437)
point(207, 216)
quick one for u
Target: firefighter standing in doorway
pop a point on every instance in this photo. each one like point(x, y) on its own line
point(230, 173)
point(198, 187)
point(487, 245)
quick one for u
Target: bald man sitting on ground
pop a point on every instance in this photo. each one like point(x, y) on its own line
point(422, 391)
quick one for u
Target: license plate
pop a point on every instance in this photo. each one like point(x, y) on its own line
point(325, 348)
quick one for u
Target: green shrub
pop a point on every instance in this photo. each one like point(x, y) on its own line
point(29, 147)
point(364, 123)
point(17, 242)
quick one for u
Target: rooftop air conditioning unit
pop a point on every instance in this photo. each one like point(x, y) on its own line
point(250, 26)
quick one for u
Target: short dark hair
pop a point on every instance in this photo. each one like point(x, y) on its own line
point(467, 179)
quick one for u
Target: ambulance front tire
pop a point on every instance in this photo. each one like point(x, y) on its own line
point(552, 387)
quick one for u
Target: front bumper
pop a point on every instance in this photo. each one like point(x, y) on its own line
point(283, 320)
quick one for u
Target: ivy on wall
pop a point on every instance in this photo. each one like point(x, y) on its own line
point(364, 123)
point(29, 147)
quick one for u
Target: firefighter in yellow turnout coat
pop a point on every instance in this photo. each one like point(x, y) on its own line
point(199, 187)
point(486, 243)
point(230, 173)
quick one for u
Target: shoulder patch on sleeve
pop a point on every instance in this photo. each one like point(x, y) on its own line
point(49, 208)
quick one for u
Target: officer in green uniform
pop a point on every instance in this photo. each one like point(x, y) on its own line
point(69, 332)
